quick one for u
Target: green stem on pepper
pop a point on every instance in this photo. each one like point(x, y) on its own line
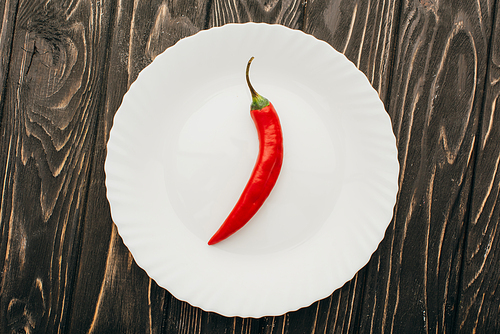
point(258, 101)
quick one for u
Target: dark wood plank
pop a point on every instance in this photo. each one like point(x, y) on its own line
point(8, 11)
point(48, 134)
point(479, 308)
point(435, 101)
point(289, 13)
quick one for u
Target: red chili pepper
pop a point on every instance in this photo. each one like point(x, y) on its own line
point(266, 169)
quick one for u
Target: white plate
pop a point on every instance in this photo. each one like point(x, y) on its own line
point(183, 146)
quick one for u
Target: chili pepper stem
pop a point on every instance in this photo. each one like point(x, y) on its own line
point(258, 101)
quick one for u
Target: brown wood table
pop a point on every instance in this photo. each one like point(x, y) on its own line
point(64, 68)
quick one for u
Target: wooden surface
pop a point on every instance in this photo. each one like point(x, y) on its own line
point(64, 68)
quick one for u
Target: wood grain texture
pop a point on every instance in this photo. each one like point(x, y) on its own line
point(435, 102)
point(8, 11)
point(289, 13)
point(48, 126)
point(479, 309)
point(64, 266)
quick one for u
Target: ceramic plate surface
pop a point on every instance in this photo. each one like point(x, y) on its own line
point(182, 148)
